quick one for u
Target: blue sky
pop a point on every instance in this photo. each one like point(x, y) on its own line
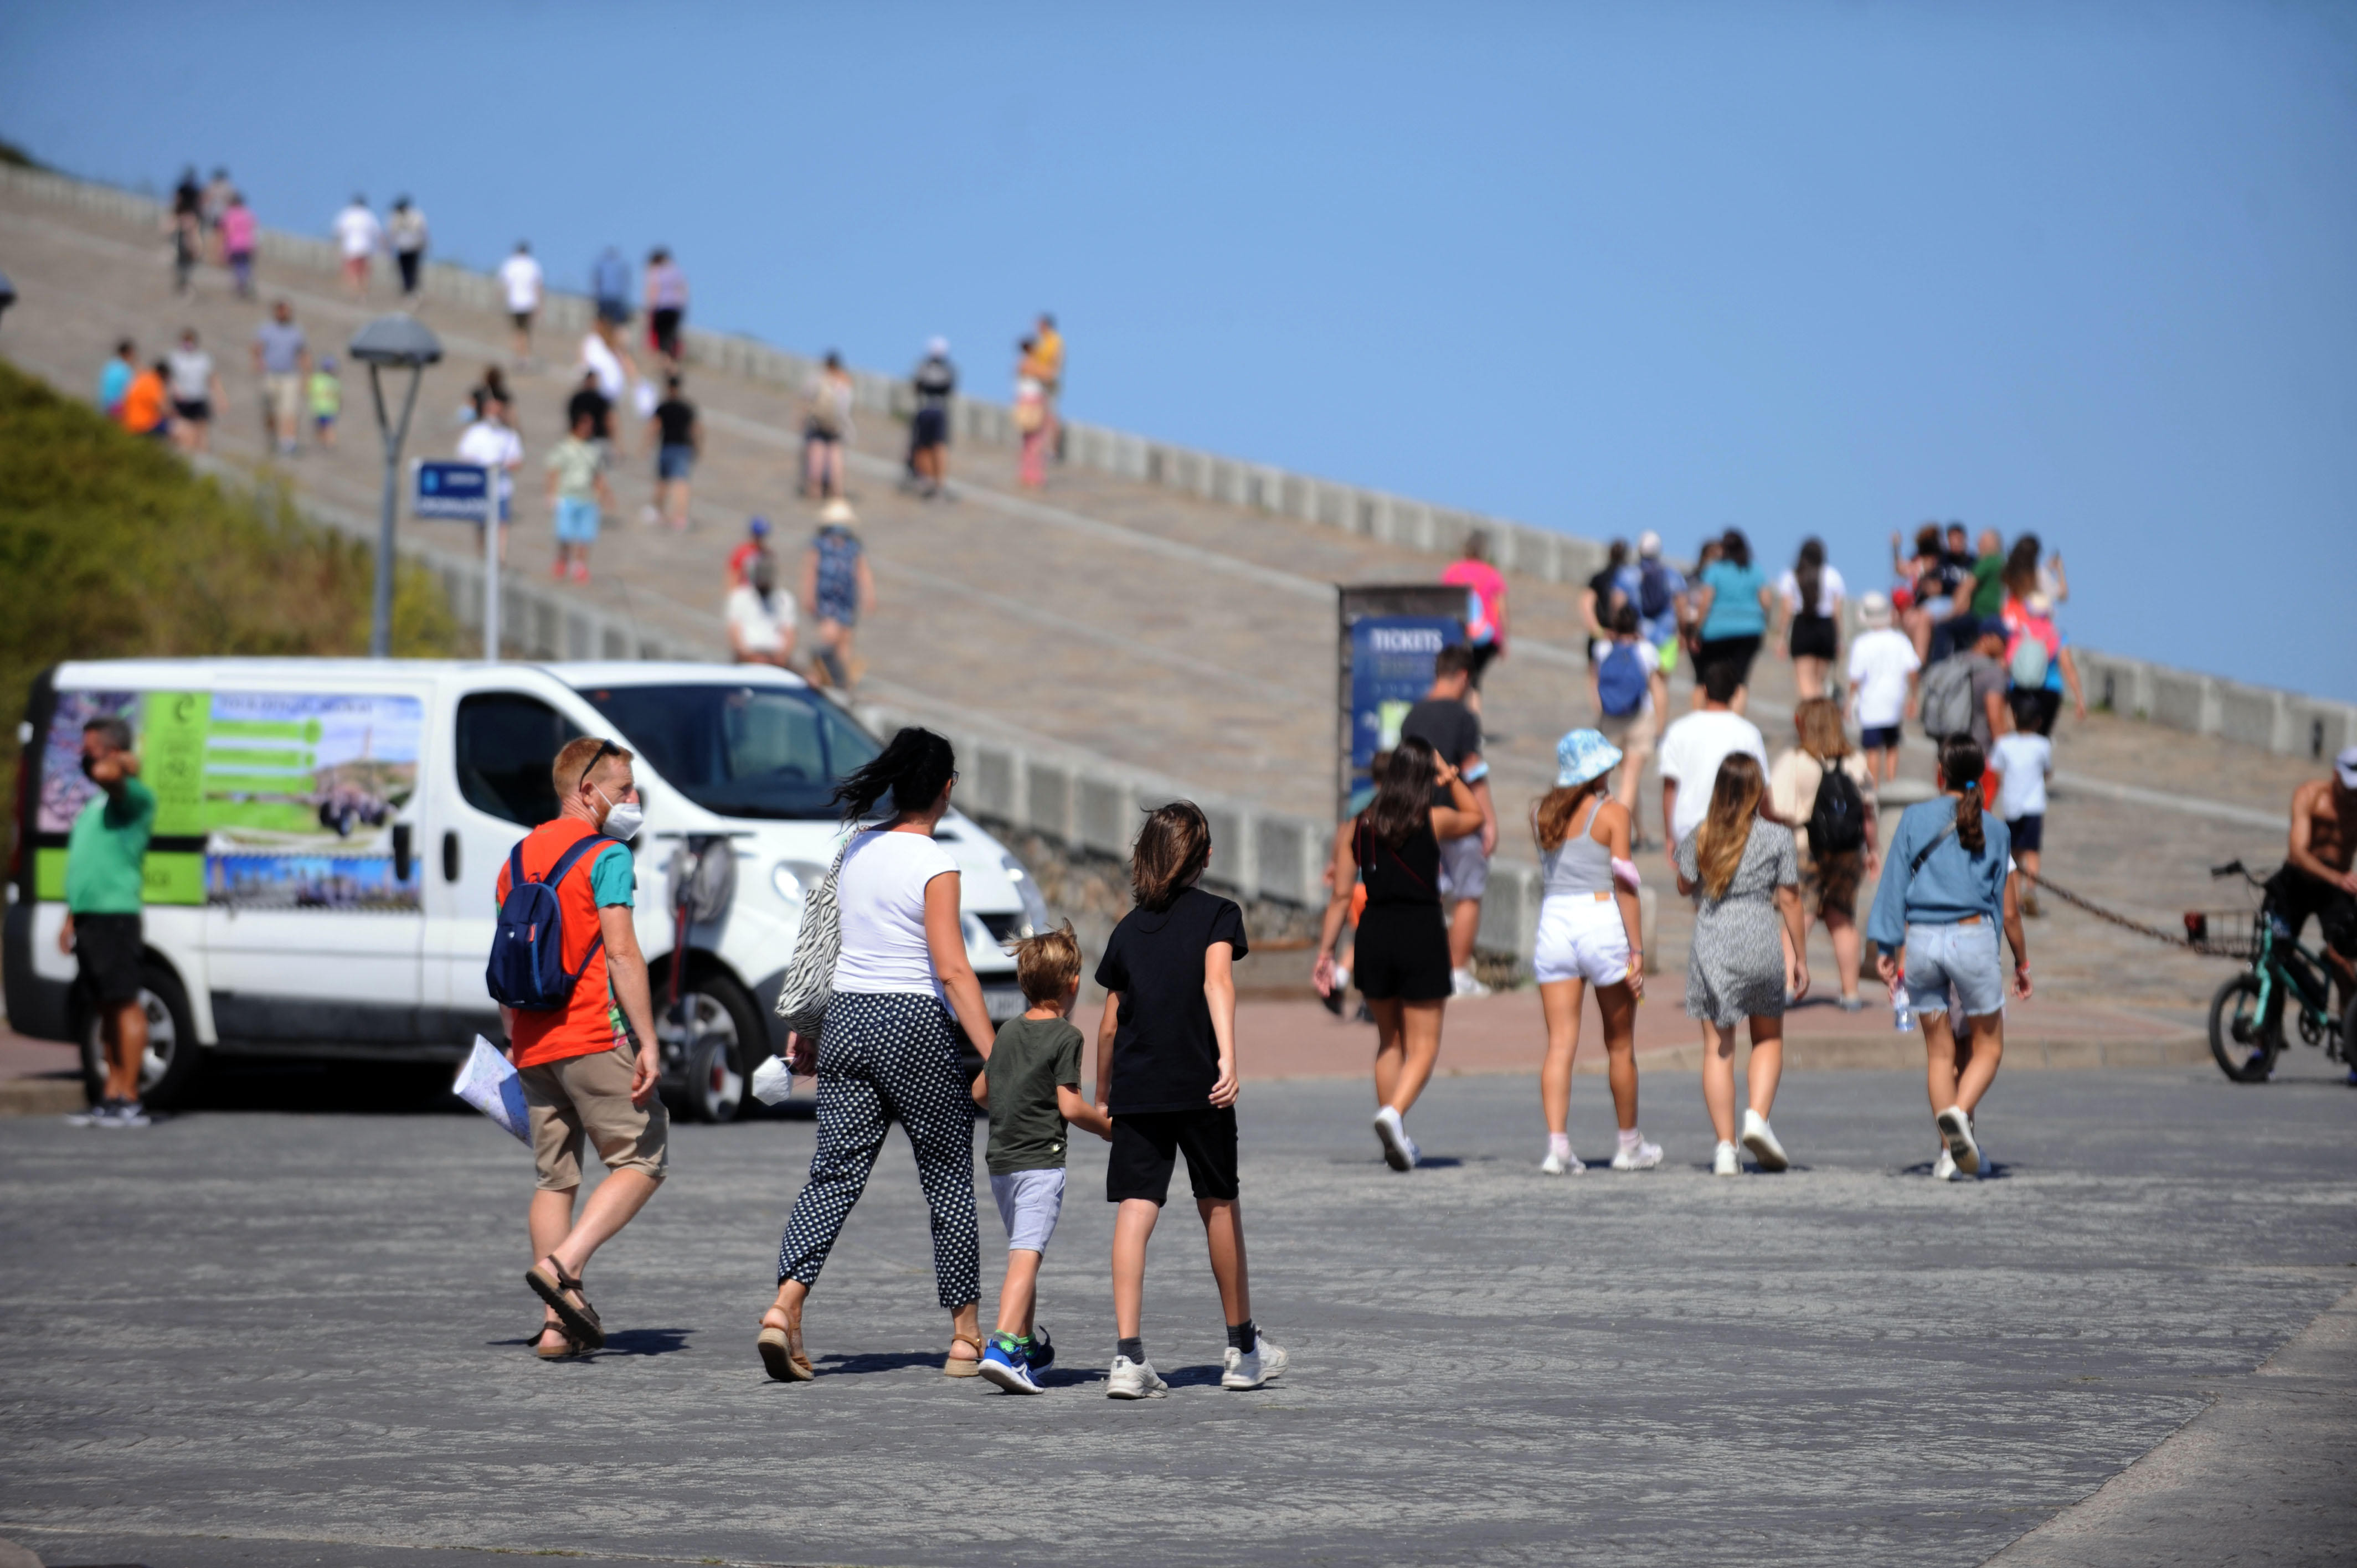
point(1805, 268)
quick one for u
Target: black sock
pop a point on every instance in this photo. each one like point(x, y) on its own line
point(1133, 1348)
point(1243, 1335)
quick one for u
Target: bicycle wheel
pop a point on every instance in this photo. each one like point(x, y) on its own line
point(2244, 1045)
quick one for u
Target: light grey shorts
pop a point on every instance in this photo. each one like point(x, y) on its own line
point(1963, 956)
point(1464, 869)
point(1030, 1202)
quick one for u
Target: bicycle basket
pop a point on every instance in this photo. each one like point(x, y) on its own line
point(2225, 933)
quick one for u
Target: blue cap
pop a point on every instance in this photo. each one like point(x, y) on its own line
point(759, 528)
point(1583, 755)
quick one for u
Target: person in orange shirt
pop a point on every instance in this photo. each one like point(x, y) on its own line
point(589, 1069)
point(1047, 364)
point(147, 406)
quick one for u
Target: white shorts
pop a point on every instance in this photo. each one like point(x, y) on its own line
point(1581, 937)
point(1030, 1202)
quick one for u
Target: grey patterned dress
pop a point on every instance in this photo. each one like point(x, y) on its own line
point(1737, 968)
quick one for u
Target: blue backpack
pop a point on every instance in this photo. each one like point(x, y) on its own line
point(527, 968)
point(1621, 681)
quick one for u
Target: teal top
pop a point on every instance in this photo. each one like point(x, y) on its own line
point(1735, 607)
point(106, 851)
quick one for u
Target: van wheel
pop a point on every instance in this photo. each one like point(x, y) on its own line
point(715, 1035)
point(173, 1058)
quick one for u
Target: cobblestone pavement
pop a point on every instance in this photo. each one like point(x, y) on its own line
point(1186, 638)
point(250, 1337)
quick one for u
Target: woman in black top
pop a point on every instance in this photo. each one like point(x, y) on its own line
point(1402, 956)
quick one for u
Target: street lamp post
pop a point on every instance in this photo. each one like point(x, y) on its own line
point(396, 341)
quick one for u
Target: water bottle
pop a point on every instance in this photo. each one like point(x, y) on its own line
point(1902, 1009)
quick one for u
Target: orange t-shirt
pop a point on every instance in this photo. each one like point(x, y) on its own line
point(589, 1022)
point(143, 406)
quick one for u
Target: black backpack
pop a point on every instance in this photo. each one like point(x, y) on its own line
point(1837, 819)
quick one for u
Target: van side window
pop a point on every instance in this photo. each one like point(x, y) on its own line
point(506, 742)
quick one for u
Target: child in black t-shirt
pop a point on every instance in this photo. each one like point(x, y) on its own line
point(1167, 1075)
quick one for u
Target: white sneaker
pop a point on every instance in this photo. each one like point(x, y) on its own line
point(1251, 1370)
point(1134, 1381)
point(1956, 1129)
point(1561, 1164)
point(1399, 1149)
point(130, 1113)
point(1760, 1139)
point(1462, 983)
point(1944, 1167)
point(1724, 1161)
point(1639, 1156)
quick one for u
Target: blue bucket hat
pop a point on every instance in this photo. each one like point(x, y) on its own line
point(1583, 755)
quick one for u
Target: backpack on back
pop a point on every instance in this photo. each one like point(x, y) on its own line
point(527, 968)
point(1621, 681)
point(2028, 665)
point(1948, 697)
point(1837, 820)
point(1653, 591)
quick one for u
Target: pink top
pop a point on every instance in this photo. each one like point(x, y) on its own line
point(237, 229)
point(1489, 589)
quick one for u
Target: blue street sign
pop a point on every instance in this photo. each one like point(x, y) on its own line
point(456, 491)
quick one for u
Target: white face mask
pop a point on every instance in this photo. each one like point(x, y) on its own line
point(623, 818)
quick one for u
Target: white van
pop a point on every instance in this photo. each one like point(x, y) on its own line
point(328, 833)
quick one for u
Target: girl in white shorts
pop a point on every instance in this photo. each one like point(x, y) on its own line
point(1589, 934)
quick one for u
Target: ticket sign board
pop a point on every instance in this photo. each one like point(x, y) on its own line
point(458, 492)
point(1390, 634)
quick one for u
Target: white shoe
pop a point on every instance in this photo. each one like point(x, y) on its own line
point(131, 1114)
point(1134, 1381)
point(1560, 1165)
point(1399, 1149)
point(1641, 1157)
point(1462, 983)
point(1944, 1167)
point(1724, 1162)
point(1760, 1139)
point(1251, 1370)
point(1956, 1129)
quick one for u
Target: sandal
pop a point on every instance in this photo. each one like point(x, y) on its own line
point(567, 1352)
point(781, 1351)
point(563, 1292)
point(954, 1366)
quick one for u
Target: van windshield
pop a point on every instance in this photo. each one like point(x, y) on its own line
point(741, 751)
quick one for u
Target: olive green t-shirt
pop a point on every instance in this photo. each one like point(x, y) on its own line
point(106, 849)
point(1030, 1057)
point(1988, 585)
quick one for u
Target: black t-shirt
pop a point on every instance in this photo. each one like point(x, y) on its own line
point(1165, 1056)
point(1606, 588)
point(1451, 729)
point(593, 403)
point(675, 418)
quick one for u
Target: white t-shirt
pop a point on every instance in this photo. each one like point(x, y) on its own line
point(192, 375)
point(1648, 659)
point(1692, 749)
point(502, 448)
point(1879, 663)
point(595, 356)
point(356, 231)
point(1830, 589)
point(519, 274)
point(761, 628)
point(2024, 760)
point(881, 895)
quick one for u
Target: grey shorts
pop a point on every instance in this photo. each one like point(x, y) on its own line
point(1963, 956)
point(1464, 869)
point(1030, 1202)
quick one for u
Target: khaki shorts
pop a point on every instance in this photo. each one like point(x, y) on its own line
point(590, 1096)
point(282, 395)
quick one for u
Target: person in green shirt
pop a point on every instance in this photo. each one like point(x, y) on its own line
point(105, 856)
point(1032, 1085)
point(1988, 575)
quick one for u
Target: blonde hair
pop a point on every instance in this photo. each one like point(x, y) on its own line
point(1045, 964)
point(1734, 805)
point(1818, 720)
point(1552, 813)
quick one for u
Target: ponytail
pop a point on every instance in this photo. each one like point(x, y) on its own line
point(1961, 767)
point(912, 770)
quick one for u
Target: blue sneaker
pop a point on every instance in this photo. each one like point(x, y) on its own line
point(1042, 1354)
point(1005, 1364)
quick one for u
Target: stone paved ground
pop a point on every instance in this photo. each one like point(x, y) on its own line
point(270, 1337)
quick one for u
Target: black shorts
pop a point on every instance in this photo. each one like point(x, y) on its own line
point(522, 319)
point(106, 951)
point(1879, 737)
point(1738, 650)
point(195, 410)
point(665, 323)
point(1814, 638)
point(2294, 895)
point(1402, 954)
point(931, 428)
point(1483, 652)
point(2028, 833)
point(1146, 1147)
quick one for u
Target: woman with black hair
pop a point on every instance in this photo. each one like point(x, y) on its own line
point(1402, 956)
point(1731, 609)
point(1811, 592)
point(1946, 887)
point(888, 1052)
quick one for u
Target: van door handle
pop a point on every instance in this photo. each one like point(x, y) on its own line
point(450, 856)
point(405, 858)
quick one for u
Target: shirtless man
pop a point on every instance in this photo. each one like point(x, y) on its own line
point(2316, 878)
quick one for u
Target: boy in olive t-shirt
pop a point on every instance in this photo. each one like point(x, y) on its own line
point(1032, 1085)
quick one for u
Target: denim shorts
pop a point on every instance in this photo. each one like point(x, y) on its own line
point(576, 520)
point(1030, 1202)
point(1963, 956)
point(674, 460)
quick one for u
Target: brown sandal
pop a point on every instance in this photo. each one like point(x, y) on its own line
point(781, 1351)
point(571, 1349)
point(954, 1367)
point(563, 1292)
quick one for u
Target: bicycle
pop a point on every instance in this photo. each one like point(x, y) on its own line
point(2247, 1015)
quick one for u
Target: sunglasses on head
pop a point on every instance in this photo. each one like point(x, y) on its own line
point(606, 749)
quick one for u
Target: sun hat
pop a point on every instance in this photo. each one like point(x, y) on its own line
point(837, 510)
point(1874, 609)
point(939, 348)
point(1583, 755)
point(2345, 766)
point(1649, 545)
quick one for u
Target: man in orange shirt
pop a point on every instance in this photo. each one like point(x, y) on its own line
point(589, 1067)
point(147, 405)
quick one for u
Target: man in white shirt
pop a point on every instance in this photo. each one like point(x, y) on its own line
point(359, 234)
point(490, 441)
point(761, 619)
point(1693, 748)
point(1882, 666)
point(519, 275)
point(615, 371)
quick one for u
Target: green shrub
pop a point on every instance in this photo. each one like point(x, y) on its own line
point(110, 548)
